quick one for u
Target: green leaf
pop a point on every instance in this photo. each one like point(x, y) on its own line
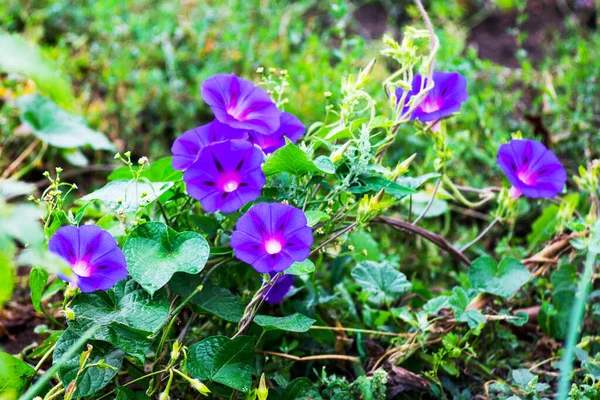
point(124, 393)
point(544, 226)
point(324, 164)
point(292, 323)
point(155, 252)
point(458, 302)
point(375, 184)
point(7, 272)
point(420, 201)
point(15, 376)
point(211, 299)
point(11, 188)
point(223, 360)
point(291, 159)
point(364, 242)
point(37, 283)
point(130, 194)
point(159, 171)
point(21, 57)
point(300, 388)
point(92, 379)
point(314, 217)
point(502, 279)
point(58, 128)
point(416, 182)
point(381, 281)
point(301, 268)
point(128, 316)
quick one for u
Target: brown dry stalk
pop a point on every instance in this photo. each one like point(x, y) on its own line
point(310, 358)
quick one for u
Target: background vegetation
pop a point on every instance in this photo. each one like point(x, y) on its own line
point(132, 70)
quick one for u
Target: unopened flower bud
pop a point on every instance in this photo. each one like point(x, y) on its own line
point(260, 70)
point(200, 387)
point(262, 392)
point(70, 314)
point(337, 155)
point(143, 160)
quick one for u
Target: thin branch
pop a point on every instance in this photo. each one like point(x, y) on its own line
point(482, 234)
point(428, 206)
point(331, 239)
point(20, 159)
point(367, 331)
point(430, 236)
point(311, 358)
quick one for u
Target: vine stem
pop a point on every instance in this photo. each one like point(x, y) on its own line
point(428, 206)
point(331, 239)
point(254, 305)
point(577, 312)
point(309, 358)
point(20, 158)
point(430, 236)
point(482, 234)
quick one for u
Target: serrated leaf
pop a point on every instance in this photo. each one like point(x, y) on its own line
point(314, 217)
point(21, 57)
point(53, 125)
point(127, 315)
point(301, 268)
point(130, 194)
point(37, 283)
point(502, 279)
point(291, 159)
point(380, 280)
point(211, 299)
point(223, 360)
point(293, 323)
point(92, 379)
point(155, 252)
point(15, 376)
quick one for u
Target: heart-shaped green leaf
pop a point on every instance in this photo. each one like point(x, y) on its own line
point(223, 360)
point(155, 252)
point(502, 279)
point(128, 316)
point(380, 280)
point(91, 379)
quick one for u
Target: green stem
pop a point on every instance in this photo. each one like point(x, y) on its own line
point(577, 312)
point(462, 198)
point(33, 390)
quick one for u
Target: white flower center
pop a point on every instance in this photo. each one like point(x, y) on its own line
point(230, 186)
point(81, 268)
point(273, 246)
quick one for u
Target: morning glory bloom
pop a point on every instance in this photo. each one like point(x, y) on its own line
point(226, 175)
point(240, 104)
point(93, 254)
point(280, 289)
point(271, 237)
point(444, 99)
point(531, 168)
point(290, 127)
point(186, 147)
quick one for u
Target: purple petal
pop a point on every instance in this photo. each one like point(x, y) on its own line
point(186, 148)
point(226, 176)
point(93, 254)
point(239, 103)
point(290, 127)
point(266, 224)
point(278, 291)
point(531, 168)
point(444, 99)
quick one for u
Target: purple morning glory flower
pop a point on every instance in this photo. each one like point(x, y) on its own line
point(93, 254)
point(226, 175)
point(280, 289)
point(186, 147)
point(290, 127)
point(531, 168)
point(444, 99)
point(271, 237)
point(240, 104)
